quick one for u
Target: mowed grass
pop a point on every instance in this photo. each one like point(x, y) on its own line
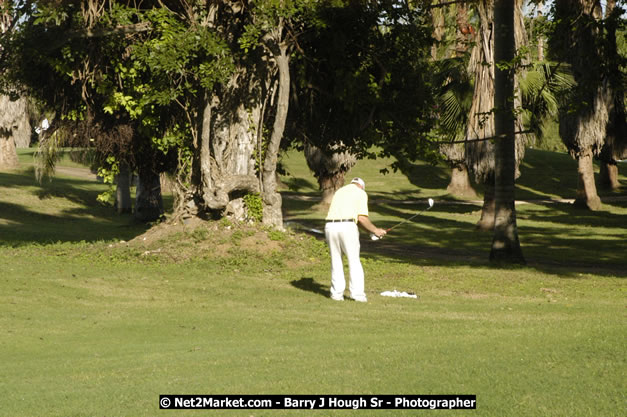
point(99, 332)
point(92, 326)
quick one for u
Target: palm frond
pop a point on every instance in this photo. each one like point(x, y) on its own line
point(542, 89)
point(48, 153)
point(455, 96)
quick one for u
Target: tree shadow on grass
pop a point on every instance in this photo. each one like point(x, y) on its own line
point(426, 176)
point(68, 212)
point(20, 226)
point(446, 235)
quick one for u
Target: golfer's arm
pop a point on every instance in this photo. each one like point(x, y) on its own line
point(364, 221)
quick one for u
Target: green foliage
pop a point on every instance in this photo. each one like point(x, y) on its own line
point(272, 14)
point(584, 41)
point(254, 207)
point(454, 98)
point(108, 172)
point(544, 90)
point(48, 153)
point(363, 80)
point(549, 137)
point(95, 79)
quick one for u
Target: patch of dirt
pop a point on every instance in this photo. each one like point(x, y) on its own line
point(195, 238)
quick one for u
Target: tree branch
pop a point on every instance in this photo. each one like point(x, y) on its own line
point(101, 33)
point(444, 142)
point(447, 3)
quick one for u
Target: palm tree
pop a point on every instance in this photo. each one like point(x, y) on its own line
point(329, 169)
point(615, 147)
point(14, 124)
point(479, 151)
point(576, 41)
point(456, 92)
point(505, 245)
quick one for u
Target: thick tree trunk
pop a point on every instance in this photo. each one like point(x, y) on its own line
point(480, 155)
point(148, 200)
point(486, 222)
point(21, 123)
point(14, 130)
point(608, 175)
point(505, 244)
point(615, 146)
point(8, 153)
point(230, 158)
point(226, 137)
point(329, 184)
point(460, 185)
point(584, 121)
point(123, 202)
point(455, 154)
point(586, 189)
point(225, 163)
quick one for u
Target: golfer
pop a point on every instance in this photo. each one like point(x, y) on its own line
point(349, 208)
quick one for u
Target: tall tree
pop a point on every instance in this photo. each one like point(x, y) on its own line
point(236, 116)
point(333, 100)
point(15, 130)
point(203, 87)
point(481, 121)
point(615, 146)
point(576, 40)
point(455, 96)
point(480, 128)
point(505, 244)
point(361, 84)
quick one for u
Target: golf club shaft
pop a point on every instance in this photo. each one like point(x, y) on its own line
point(374, 237)
point(406, 220)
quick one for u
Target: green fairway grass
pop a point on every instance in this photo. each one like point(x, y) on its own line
point(100, 315)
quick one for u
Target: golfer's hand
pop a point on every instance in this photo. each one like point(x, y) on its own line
point(380, 232)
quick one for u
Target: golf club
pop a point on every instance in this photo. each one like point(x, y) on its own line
point(430, 201)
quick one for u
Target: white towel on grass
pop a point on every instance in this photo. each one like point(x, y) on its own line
point(396, 293)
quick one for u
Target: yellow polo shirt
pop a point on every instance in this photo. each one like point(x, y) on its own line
point(348, 202)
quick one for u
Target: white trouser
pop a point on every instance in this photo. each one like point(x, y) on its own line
point(343, 237)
